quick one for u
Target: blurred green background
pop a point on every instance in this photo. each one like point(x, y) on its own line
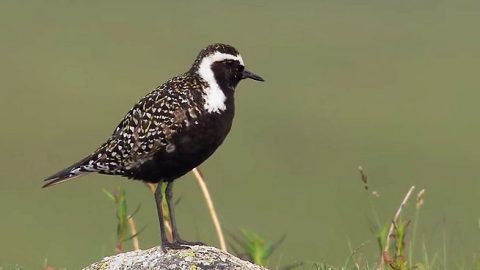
point(390, 85)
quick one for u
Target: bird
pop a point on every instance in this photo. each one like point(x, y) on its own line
point(171, 130)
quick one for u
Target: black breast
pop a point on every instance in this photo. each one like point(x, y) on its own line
point(188, 148)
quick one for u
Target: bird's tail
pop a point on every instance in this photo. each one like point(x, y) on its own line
point(79, 168)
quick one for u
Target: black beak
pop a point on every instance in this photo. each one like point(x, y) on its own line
point(250, 75)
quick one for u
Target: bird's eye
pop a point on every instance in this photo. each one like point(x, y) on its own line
point(229, 63)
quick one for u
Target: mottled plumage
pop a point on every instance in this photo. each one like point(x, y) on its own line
point(148, 128)
point(174, 128)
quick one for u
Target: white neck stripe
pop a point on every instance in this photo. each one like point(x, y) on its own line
point(214, 96)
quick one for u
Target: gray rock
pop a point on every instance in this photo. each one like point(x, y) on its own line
point(194, 258)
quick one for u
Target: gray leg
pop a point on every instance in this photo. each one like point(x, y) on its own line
point(176, 236)
point(158, 201)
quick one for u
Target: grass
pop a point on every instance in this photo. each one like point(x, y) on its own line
point(397, 242)
point(126, 228)
point(250, 246)
point(390, 83)
point(247, 245)
point(397, 239)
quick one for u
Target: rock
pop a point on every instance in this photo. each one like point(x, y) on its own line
point(194, 258)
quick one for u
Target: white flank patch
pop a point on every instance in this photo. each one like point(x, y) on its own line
point(214, 96)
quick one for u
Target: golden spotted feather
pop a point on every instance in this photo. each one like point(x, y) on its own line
point(145, 130)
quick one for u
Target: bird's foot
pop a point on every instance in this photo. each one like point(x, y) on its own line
point(167, 245)
point(180, 244)
point(188, 243)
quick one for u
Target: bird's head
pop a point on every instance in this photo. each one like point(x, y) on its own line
point(222, 64)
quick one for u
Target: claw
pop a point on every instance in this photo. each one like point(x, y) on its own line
point(180, 244)
point(187, 243)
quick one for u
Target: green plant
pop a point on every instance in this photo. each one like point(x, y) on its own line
point(126, 229)
point(254, 248)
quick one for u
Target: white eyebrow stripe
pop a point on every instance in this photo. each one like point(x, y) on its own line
point(218, 56)
point(214, 96)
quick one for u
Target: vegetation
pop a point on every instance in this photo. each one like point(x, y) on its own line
point(395, 239)
point(126, 228)
point(392, 84)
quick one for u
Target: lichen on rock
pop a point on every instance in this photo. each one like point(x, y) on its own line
point(193, 258)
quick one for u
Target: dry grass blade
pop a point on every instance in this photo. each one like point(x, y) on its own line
point(385, 255)
point(211, 208)
point(133, 233)
point(420, 197)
